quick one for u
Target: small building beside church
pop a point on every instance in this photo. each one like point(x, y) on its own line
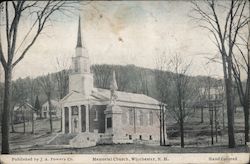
point(105, 116)
point(55, 110)
point(24, 113)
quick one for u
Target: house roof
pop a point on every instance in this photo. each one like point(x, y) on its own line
point(19, 107)
point(53, 102)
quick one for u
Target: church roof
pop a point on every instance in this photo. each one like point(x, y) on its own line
point(101, 96)
point(129, 97)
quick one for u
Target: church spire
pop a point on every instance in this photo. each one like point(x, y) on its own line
point(79, 37)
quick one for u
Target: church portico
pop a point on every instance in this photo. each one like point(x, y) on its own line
point(76, 119)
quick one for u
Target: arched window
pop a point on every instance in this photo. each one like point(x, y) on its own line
point(150, 118)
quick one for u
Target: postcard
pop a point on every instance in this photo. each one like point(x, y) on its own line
point(124, 82)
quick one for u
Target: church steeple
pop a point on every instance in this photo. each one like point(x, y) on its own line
point(80, 78)
point(79, 34)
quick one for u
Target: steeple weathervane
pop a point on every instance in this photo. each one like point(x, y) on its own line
point(79, 37)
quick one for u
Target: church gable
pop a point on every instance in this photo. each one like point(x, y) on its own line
point(73, 96)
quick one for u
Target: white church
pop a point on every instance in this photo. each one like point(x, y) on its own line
point(101, 116)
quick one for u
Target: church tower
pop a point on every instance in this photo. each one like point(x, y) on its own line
point(80, 78)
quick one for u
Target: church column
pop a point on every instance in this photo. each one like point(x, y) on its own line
point(70, 120)
point(63, 120)
point(80, 118)
point(87, 118)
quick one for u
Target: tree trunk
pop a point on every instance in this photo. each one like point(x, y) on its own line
point(211, 123)
point(61, 122)
point(202, 120)
point(181, 125)
point(216, 124)
point(24, 126)
point(6, 111)
point(230, 112)
point(163, 125)
point(50, 114)
point(246, 119)
point(160, 126)
point(223, 115)
point(32, 123)
point(12, 120)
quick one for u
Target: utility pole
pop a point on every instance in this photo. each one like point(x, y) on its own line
point(216, 124)
point(211, 112)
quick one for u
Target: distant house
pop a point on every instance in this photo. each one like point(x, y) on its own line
point(24, 111)
point(55, 112)
point(212, 94)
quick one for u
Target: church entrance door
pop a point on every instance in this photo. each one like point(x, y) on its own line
point(66, 117)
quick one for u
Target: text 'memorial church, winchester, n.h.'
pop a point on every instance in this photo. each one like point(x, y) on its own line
point(101, 116)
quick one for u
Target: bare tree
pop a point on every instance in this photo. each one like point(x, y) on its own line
point(18, 98)
point(241, 69)
point(102, 75)
point(162, 87)
point(62, 78)
point(14, 13)
point(225, 30)
point(48, 88)
point(143, 82)
point(181, 91)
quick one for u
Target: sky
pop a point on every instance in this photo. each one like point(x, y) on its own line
point(122, 32)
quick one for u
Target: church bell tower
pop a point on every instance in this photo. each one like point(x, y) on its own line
point(80, 78)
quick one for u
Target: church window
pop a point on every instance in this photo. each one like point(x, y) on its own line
point(130, 137)
point(141, 118)
point(131, 118)
point(140, 137)
point(150, 137)
point(96, 115)
point(151, 118)
point(74, 110)
point(109, 122)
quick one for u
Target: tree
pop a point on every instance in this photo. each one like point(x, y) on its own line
point(102, 75)
point(19, 96)
point(38, 106)
point(163, 92)
point(48, 88)
point(37, 12)
point(181, 90)
point(241, 69)
point(225, 30)
point(62, 78)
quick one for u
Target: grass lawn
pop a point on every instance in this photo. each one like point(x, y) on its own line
point(197, 140)
point(129, 149)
